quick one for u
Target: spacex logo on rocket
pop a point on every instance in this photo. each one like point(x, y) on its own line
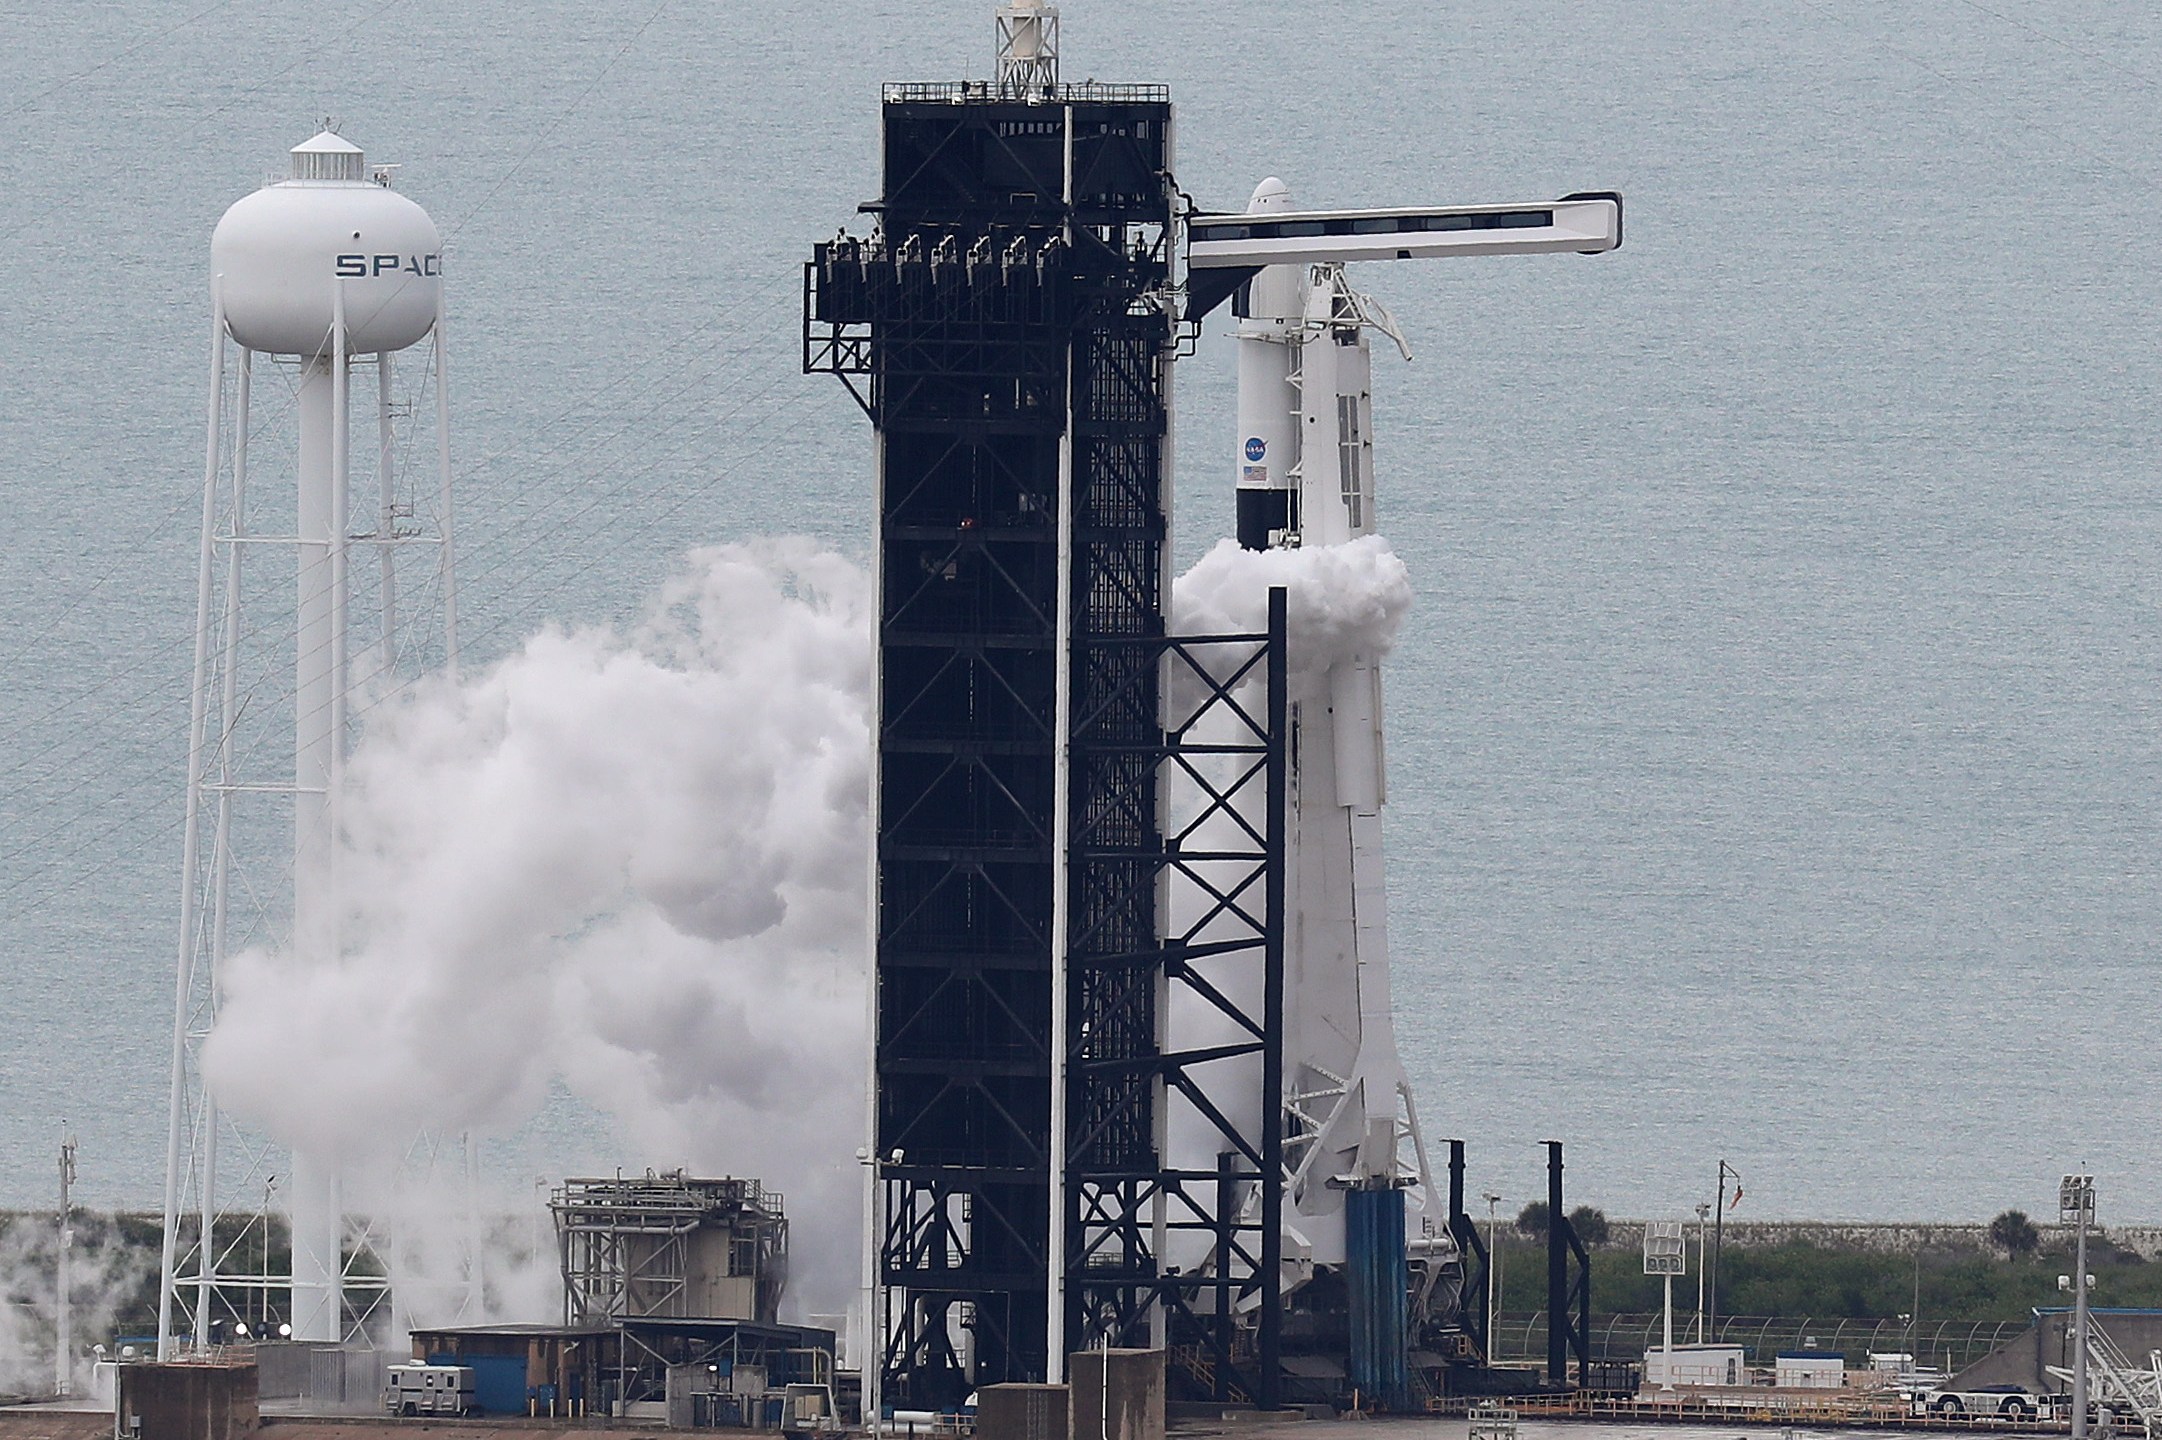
point(359, 267)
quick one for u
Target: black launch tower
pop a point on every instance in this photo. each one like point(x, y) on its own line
point(1009, 326)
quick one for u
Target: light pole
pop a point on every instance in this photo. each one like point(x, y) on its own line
point(1493, 1269)
point(1719, 1225)
point(1704, 1214)
point(1914, 1316)
point(63, 1321)
point(1666, 1252)
point(2075, 1202)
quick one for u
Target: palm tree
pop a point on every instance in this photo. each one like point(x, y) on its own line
point(2014, 1234)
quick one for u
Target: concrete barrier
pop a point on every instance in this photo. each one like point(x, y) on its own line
point(1116, 1395)
point(186, 1400)
point(1022, 1412)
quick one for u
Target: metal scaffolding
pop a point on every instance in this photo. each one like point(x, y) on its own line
point(669, 1246)
point(1221, 775)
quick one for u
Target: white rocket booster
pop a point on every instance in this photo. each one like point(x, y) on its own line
point(1305, 477)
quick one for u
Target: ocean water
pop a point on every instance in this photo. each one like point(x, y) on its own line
point(1774, 757)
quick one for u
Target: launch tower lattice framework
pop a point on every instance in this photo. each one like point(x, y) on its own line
point(310, 274)
point(1009, 328)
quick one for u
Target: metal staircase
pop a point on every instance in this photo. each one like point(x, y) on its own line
point(2115, 1381)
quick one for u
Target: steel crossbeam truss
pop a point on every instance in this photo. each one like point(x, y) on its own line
point(1216, 972)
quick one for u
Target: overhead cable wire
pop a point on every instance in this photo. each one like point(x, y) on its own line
point(138, 817)
point(313, 51)
point(115, 58)
point(1919, 63)
point(643, 417)
point(2094, 55)
point(595, 498)
point(479, 208)
point(97, 782)
point(81, 741)
point(557, 123)
point(131, 561)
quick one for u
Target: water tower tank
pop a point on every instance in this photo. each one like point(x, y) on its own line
point(280, 254)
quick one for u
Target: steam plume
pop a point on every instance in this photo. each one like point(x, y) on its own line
point(1344, 600)
point(632, 862)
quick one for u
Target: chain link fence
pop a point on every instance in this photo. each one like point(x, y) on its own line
point(1951, 1345)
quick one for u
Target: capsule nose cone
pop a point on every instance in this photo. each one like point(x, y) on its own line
point(1270, 194)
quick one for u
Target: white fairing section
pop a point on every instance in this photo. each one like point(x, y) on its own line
point(1268, 402)
point(1305, 372)
point(281, 252)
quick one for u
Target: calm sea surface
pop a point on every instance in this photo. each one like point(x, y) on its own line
point(1775, 758)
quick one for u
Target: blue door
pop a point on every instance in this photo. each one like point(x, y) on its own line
point(498, 1381)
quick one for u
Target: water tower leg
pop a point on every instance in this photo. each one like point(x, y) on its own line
point(316, 1216)
point(447, 558)
point(386, 520)
point(221, 853)
point(177, 1118)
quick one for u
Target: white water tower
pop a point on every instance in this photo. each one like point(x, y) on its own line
point(311, 273)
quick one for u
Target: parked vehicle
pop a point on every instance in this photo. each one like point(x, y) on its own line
point(430, 1390)
point(2013, 1402)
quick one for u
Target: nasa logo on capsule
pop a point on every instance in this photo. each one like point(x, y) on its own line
point(1256, 447)
point(359, 267)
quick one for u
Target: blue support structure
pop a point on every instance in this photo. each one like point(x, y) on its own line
point(1378, 1283)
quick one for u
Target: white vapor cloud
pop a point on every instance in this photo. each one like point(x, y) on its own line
point(630, 862)
point(1343, 600)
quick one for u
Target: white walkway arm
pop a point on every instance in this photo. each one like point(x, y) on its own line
point(1586, 224)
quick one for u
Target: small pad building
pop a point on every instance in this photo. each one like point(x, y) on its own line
point(667, 1246)
point(664, 1274)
